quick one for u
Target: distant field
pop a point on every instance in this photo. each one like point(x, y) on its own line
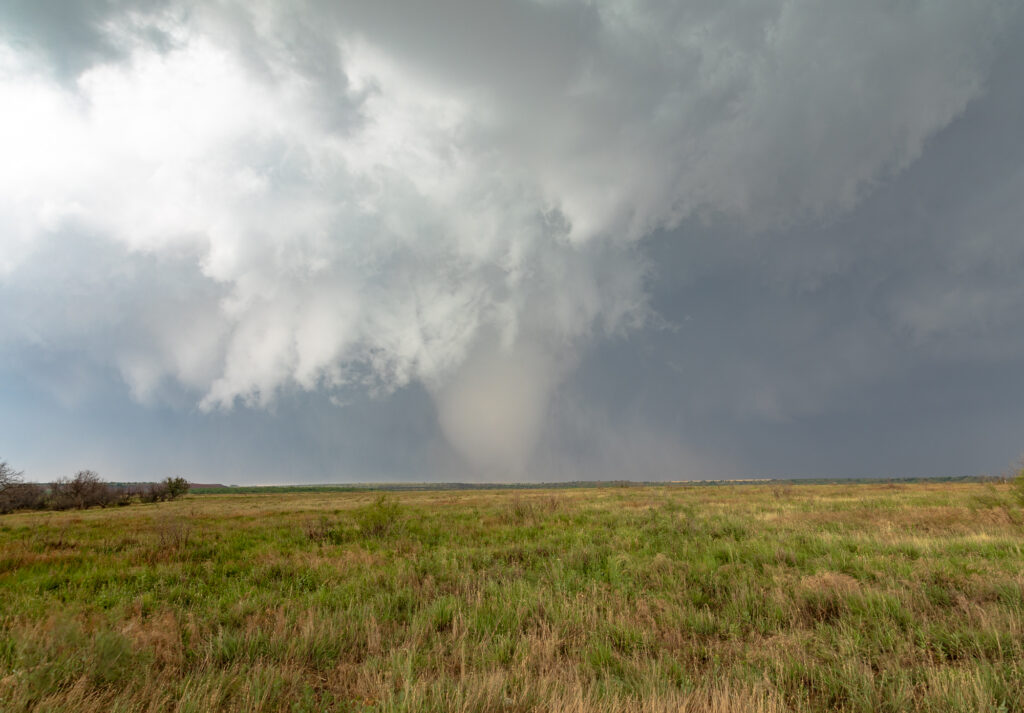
point(205, 489)
point(777, 597)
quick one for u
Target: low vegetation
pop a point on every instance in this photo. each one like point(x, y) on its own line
point(83, 491)
point(1018, 484)
point(866, 597)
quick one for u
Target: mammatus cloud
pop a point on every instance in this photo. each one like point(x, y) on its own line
point(348, 197)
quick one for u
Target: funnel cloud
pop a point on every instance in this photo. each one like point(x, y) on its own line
point(493, 410)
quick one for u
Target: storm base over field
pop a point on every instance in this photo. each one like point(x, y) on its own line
point(542, 240)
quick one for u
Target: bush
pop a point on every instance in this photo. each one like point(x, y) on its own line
point(16, 494)
point(126, 495)
point(167, 489)
point(23, 496)
point(379, 519)
point(176, 487)
point(83, 491)
point(155, 493)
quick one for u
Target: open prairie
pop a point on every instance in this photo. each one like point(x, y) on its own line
point(776, 597)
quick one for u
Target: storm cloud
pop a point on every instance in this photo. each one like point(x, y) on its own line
point(576, 230)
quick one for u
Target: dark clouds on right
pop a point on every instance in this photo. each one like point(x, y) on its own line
point(887, 342)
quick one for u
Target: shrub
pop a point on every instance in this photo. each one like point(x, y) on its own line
point(167, 489)
point(379, 519)
point(126, 495)
point(16, 494)
point(323, 531)
point(83, 491)
point(156, 493)
point(23, 496)
point(176, 487)
point(59, 495)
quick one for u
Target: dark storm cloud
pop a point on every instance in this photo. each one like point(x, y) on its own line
point(736, 220)
point(888, 341)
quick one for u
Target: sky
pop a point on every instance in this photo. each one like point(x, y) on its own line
point(532, 240)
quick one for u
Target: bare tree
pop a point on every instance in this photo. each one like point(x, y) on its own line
point(15, 494)
point(8, 475)
point(83, 491)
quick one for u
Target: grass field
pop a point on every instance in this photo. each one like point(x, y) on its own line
point(865, 597)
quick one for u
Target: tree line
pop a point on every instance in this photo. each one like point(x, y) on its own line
point(84, 490)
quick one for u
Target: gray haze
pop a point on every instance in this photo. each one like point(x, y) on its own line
point(325, 242)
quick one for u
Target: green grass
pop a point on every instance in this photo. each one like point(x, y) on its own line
point(777, 597)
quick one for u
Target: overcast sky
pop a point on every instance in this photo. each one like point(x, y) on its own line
point(257, 242)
